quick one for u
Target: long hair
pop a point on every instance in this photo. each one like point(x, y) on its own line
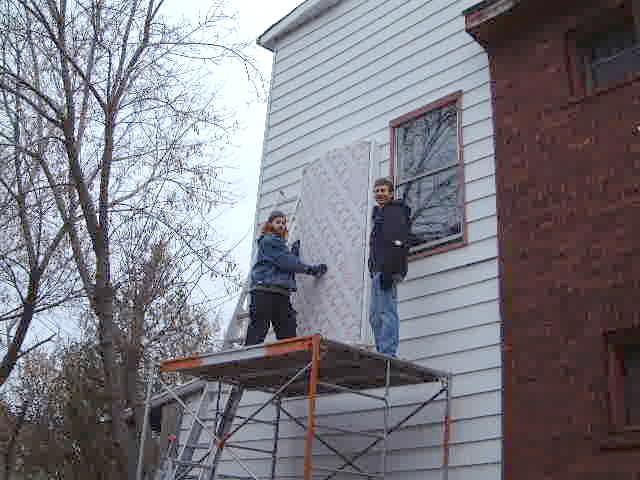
point(269, 228)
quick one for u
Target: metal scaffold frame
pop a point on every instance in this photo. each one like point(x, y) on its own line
point(306, 368)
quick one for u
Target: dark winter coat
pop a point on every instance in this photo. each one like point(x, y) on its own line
point(389, 240)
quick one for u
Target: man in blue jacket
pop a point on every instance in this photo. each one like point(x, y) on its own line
point(273, 280)
point(388, 253)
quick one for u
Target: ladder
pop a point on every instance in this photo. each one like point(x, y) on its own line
point(236, 331)
point(181, 468)
point(224, 424)
point(182, 465)
point(198, 456)
point(185, 462)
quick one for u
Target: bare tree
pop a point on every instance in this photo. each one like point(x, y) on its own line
point(129, 136)
point(155, 316)
point(54, 416)
point(34, 277)
point(12, 422)
point(27, 409)
point(56, 408)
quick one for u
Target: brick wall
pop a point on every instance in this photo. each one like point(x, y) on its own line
point(568, 193)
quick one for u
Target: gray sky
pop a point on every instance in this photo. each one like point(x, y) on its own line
point(254, 17)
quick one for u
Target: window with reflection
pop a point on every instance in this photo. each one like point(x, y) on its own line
point(428, 173)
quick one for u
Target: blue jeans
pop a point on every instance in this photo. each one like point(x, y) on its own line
point(383, 316)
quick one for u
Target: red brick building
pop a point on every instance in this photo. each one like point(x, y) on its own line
point(566, 90)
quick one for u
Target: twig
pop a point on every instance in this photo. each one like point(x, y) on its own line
point(34, 347)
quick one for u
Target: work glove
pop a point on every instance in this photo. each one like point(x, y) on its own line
point(295, 248)
point(386, 280)
point(317, 270)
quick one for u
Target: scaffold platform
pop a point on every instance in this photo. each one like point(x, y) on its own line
point(301, 368)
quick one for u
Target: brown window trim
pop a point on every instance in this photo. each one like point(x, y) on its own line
point(597, 21)
point(393, 124)
point(621, 435)
point(575, 99)
point(622, 440)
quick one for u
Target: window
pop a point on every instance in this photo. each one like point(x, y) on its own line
point(427, 171)
point(624, 378)
point(609, 50)
point(631, 374)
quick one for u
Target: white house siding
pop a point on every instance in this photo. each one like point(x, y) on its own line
point(339, 79)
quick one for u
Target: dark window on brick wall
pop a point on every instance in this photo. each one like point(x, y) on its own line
point(610, 56)
point(427, 172)
point(624, 377)
point(631, 363)
point(607, 49)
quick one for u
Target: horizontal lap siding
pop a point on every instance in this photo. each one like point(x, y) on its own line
point(340, 79)
point(479, 164)
point(373, 117)
point(418, 436)
point(375, 125)
point(476, 430)
point(286, 171)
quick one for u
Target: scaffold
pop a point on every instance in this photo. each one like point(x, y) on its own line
point(301, 368)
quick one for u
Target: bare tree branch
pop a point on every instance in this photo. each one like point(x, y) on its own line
point(33, 347)
point(120, 136)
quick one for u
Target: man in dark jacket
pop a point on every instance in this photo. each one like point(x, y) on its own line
point(388, 253)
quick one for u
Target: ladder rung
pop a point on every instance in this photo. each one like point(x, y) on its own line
point(255, 420)
point(252, 449)
point(208, 419)
point(189, 463)
point(241, 417)
point(198, 446)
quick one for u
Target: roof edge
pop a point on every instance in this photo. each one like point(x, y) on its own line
point(478, 6)
point(165, 397)
point(486, 11)
point(303, 13)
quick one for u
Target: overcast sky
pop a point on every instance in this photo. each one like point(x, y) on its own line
point(254, 17)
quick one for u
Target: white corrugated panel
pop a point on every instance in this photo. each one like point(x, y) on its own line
point(330, 224)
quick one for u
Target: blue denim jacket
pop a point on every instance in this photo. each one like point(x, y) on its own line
point(275, 264)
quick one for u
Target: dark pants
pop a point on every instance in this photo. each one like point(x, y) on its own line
point(268, 308)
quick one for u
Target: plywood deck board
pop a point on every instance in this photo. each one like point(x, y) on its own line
point(267, 367)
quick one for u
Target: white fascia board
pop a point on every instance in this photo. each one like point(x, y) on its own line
point(302, 14)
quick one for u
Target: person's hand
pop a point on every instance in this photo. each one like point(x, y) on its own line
point(386, 281)
point(295, 248)
point(318, 270)
point(322, 269)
